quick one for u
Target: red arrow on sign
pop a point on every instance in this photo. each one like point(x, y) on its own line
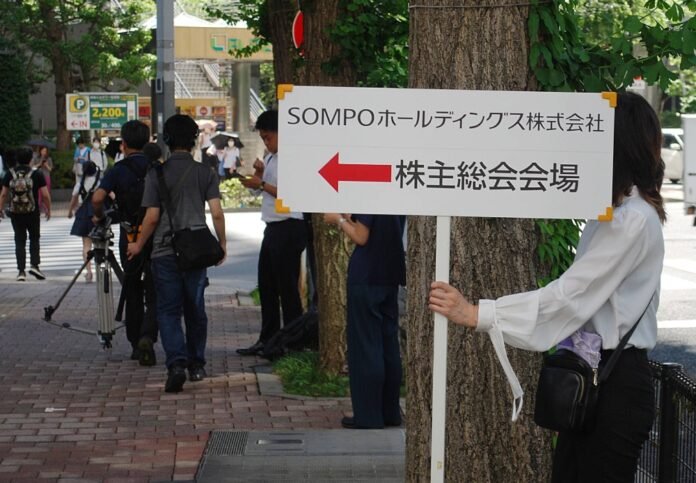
point(334, 172)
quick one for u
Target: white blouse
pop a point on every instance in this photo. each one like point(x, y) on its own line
point(616, 273)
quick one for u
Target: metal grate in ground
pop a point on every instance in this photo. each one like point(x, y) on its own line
point(298, 456)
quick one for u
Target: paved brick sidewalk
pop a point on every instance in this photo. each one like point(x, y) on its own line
point(70, 411)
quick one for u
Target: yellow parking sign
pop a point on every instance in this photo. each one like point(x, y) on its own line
point(77, 103)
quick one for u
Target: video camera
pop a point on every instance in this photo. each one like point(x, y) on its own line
point(102, 231)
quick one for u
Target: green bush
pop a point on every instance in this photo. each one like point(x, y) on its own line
point(300, 374)
point(234, 195)
point(62, 176)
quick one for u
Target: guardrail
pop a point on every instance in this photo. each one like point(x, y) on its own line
point(669, 455)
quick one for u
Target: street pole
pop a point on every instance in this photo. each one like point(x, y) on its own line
point(164, 84)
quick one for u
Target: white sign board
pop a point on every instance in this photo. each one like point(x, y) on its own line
point(446, 152)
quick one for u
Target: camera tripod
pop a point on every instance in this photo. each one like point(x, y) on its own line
point(104, 261)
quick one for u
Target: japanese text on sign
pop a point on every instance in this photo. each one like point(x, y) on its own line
point(524, 121)
point(477, 175)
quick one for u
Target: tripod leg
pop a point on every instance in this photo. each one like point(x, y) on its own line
point(48, 311)
point(106, 303)
point(115, 267)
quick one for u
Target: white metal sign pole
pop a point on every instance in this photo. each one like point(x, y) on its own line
point(439, 407)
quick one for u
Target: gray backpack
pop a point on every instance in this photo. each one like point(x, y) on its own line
point(22, 192)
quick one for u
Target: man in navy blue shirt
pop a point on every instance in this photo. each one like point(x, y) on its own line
point(126, 180)
point(376, 269)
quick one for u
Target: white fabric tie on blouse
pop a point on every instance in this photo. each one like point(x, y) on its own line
point(616, 271)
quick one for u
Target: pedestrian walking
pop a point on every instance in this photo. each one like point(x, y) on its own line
point(44, 162)
point(616, 273)
point(79, 157)
point(188, 185)
point(97, 155)
point(284, 240)
point(376, 269)
point(81, 207)
point(21, 186)
point(126, 181)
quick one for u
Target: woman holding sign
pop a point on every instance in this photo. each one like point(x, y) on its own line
point(616, 273)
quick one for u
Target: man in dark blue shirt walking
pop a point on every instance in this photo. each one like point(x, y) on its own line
point(126, 180)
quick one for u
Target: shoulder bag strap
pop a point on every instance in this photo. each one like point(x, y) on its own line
point(164, 192)
point(617, 352)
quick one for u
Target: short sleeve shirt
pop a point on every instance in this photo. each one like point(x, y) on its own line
point(38, 181)
point(121, 177)
point(188, 196)
point(381, 260)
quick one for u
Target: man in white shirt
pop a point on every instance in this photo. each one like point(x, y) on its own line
point(284, 240)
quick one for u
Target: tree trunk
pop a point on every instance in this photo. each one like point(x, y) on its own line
point(472, 48)
point(61, 72)
point(332, 250)
point(280, 16)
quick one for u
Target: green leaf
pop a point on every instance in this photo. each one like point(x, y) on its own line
point(549, 22)
point(533, 24)
point(547, 56)
point(534, 53)
point(632, 24)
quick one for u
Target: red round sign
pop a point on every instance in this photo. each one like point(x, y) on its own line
point(298, 30)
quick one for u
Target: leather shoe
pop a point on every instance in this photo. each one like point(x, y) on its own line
point(146, 352)
point(349, 423)
point(175, 379)
point(197, 373)
point(251, 350)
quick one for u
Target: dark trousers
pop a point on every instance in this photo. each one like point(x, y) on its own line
point(23, 224)
point(279, 274)
point(140, 298)
point(626, 409)
point(374, 362)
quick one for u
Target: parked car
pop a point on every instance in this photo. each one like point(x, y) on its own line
point(672, 153)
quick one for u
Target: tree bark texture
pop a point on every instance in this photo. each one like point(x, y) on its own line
point(280, 16)
point(61, 72)
point(332, 249)
point(485, 48)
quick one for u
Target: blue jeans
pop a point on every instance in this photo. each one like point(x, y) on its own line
point(180, 293)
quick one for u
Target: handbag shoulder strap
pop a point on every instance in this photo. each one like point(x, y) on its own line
point(164, 192)
point(617, 352)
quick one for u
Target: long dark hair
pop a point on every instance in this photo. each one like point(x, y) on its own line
point(637, 160)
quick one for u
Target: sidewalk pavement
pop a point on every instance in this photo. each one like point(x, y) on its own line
point(72, 412)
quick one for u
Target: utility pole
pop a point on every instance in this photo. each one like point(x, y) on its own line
point(164, 83)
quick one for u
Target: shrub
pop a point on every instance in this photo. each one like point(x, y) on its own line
point(234, 195)
point(62, 176)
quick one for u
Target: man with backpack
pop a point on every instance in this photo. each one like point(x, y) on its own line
point(21, 185)
point(126, 180)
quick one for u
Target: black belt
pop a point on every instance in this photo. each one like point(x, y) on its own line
point(283, 221)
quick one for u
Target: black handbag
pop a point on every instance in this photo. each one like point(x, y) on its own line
point(194, 249)
point(568, 389)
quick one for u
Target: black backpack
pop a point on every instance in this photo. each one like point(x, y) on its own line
point(302, 333)
point(129, 201)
